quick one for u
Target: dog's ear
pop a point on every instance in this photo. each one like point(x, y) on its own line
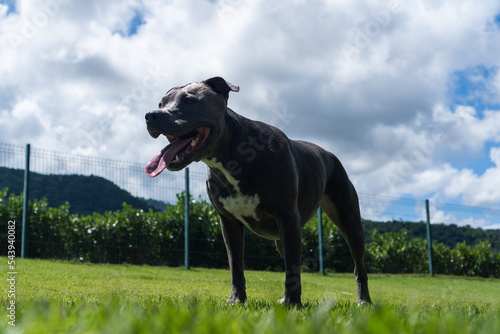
point(221, 86)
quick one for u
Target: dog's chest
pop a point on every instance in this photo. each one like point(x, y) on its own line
point(241, 206)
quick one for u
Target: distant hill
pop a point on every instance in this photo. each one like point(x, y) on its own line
point(85, 194)
point(156, 205)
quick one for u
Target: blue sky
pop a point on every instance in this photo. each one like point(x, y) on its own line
point(135, 23)
point(407, 95)
point(474, 87)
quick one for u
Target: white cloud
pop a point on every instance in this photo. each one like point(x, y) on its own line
point(423, 160)
point(449, 183)
point(495, 155)
point(372, 82)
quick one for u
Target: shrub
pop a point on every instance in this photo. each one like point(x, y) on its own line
point(397, 253)
point(147, 237)
point(441, 259)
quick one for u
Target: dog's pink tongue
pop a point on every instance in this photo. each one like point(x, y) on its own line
point(165, 156)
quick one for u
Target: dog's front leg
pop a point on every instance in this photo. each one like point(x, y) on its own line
point(233, 233)
point(290, 237)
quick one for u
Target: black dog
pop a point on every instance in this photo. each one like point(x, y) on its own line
point(258, 178)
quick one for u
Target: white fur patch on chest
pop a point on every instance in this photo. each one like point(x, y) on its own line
point(239, 205)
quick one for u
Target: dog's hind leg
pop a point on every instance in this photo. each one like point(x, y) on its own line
point(341, 205)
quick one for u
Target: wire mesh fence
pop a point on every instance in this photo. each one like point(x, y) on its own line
point(128, 176)
point(96, 187)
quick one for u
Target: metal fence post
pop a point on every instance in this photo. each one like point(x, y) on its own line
point(186, 220)
point(320, 240)
point(429, 239)
point(25, 229)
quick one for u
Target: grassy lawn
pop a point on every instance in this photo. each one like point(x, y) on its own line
point(59, 297)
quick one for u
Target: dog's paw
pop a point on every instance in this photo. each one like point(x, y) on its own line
point(236, 299)
point(289, 302)
point(364, 303)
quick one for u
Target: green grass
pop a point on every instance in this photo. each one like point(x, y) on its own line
point(59, 297)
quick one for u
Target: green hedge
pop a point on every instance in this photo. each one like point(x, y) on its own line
point(157, 238)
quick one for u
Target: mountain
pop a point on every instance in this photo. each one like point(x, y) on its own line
point(85, 194)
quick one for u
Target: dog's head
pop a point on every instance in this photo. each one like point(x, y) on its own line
point(191, 118)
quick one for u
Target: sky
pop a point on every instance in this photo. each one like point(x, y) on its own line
point(407, 95)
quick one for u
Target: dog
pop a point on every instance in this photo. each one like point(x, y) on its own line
point(257, 178)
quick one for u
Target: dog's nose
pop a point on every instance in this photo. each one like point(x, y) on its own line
point(152, 115)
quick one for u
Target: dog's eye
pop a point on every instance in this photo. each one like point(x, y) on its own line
point(160, 105)
point(188, 99)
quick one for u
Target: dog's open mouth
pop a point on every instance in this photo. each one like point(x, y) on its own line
point(179, 152)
